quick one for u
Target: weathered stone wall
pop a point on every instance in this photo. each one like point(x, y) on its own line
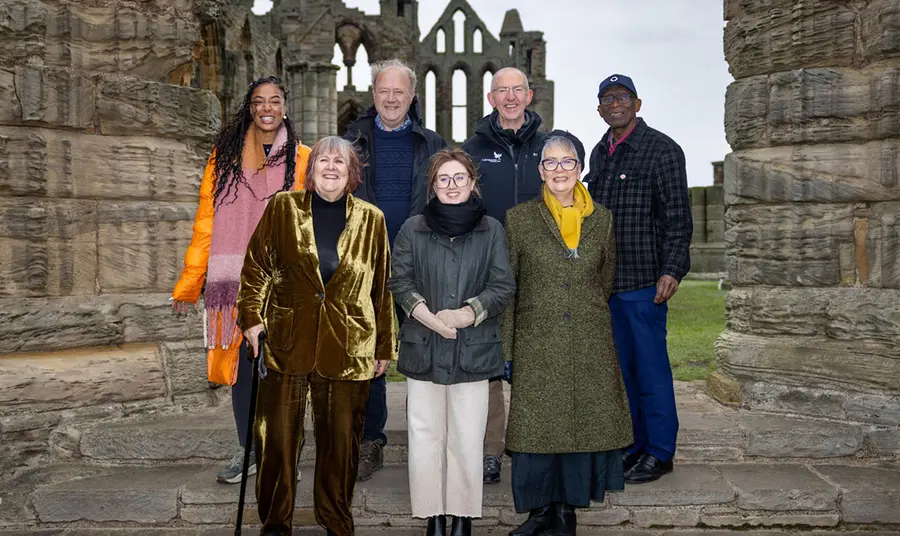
point(707, 241)
point(812, 234)
point(105, 125)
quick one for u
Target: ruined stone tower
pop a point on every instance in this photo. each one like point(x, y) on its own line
point(813, 212)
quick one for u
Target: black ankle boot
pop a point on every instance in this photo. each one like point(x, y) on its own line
point(437, 526)
point(563, 523)
point(537, 523)
point(462, 526)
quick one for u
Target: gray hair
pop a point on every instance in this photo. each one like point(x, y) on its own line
point(510, 70)
point(382, 66)
point(563, 143)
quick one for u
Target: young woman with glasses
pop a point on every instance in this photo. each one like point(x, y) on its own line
point(450, 274)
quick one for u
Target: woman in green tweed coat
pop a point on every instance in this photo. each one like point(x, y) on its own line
point(568, 416)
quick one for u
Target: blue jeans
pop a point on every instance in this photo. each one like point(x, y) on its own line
point(639, 330)
point(376, 409)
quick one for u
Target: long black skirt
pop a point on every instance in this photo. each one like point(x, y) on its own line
point(574, 478)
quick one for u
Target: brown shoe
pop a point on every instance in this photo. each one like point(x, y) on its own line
point(371, 458)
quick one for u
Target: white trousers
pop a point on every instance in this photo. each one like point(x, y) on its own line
point(446, 443)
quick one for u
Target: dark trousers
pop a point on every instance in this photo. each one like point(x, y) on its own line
point(240, 394)
point(639, 330)
point(338, 415)
point(376, 407)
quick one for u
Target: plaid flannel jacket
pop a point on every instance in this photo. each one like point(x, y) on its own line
point(644, 184)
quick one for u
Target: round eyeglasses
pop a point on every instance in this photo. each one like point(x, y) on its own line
point(461, 180)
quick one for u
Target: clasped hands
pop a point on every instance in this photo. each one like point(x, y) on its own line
point(446, 321)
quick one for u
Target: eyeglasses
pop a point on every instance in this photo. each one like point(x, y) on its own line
point(461, 180)
point(518, 91)
point(567, 164)
point(623, 98)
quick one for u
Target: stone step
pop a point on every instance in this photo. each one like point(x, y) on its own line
point(394, 531)
point(726, 496)
point(709, 432)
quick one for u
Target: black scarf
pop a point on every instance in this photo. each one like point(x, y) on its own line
point(454, 220)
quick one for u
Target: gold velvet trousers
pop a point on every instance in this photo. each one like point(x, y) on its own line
point(339, 411)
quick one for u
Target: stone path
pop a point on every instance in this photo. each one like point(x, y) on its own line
point(734, 471)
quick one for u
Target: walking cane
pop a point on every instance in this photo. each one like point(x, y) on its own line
point(253, 388)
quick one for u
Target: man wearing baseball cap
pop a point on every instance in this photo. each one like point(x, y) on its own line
point(639, 174)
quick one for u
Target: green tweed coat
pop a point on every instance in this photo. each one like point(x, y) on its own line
point(567, 393)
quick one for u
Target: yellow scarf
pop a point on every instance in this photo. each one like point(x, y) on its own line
point(568, 219)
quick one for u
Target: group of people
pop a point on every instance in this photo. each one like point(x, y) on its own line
point(495, 262)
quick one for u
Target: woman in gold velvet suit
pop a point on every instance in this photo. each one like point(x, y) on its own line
point(315, 278)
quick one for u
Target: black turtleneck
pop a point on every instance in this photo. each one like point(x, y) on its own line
point(329, 220)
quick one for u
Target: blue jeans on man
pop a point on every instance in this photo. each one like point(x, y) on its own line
point(639, 330)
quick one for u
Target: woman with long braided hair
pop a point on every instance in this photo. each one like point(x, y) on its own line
point(256, 155)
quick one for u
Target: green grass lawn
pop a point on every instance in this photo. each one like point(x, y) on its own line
point(696, 318)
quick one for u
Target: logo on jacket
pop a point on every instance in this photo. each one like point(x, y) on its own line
point(495, 160)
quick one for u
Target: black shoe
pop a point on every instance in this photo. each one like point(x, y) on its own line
point(629, 460)
point(563, 520)
point(491, 468)
point(371, 458)
point(437, 526)
point(462, 526)
point(647, 469)
point(538, 522)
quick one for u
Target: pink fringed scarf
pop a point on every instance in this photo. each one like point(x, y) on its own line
point(234, 222)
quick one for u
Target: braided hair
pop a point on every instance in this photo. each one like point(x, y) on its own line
point(229, 145)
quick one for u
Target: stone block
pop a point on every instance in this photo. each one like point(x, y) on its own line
point(724, 389)
point(24, 27)
point(883, 440)
point(61, 164)
point(138, 495)
point(786, 437)
point(73, 378)
point(868, 494)
point(882, 408)
point(879, 20)
point(708, 429)
point(807, 401)
point(816, 34)
point(130, 106)
point(142, 42)
point(48, 266)
point(603, 516)
point(820, 173)
point(789, 245)
point(148, 317)
point(810, 362)
point(708, 532)
point(813, 106)
point(186, 366)
point(141, 244)
point(205, 435)
point(10, 107)
point(55, 97)
point(36, 219)
point(779, 488)
point(854, 313)
point(688, 485)
point(882, 246)
point(44, 324)
point(768, 519)
point(664, 517)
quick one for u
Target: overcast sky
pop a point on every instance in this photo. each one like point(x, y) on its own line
point(671, 48)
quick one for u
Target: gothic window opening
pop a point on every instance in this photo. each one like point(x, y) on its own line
point(431, 100)
point(440, 39)
point(477, 41)
point(459, 32)
point(459, 119)
point(486, 88)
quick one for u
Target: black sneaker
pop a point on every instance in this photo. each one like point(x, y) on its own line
point(492, 466)
point(371, 458)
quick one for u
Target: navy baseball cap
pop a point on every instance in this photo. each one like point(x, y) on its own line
point(616, 80)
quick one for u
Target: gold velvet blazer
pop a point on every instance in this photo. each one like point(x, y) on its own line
point(339, 330)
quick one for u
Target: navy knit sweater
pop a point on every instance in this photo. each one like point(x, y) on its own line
point(394, 153)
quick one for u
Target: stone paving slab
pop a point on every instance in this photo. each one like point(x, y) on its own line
point(779, 487)
point(130, 494)
point(687, 485)
point(772, 436)
point(868, 494)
